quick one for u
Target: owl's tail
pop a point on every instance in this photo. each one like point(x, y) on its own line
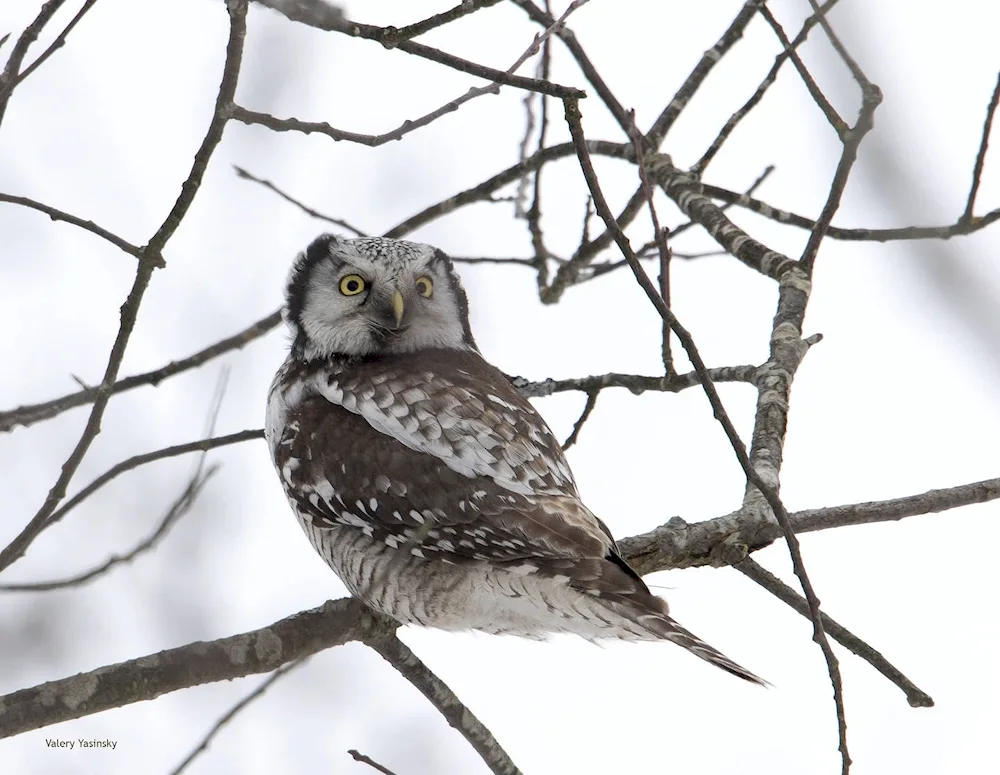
point(665, 628)
point(644, 616)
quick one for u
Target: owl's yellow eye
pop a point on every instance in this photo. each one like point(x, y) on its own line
point(352, 284)
point(425, 286)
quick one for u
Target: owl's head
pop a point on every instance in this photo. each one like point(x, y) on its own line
point(373, 295)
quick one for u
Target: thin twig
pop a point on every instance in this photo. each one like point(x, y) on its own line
point(977, 170)
point(665, 121)
point(464, 8)
point(914, 695)
point(397, 654)
point(59, 215)
point(11, 70)
point(292, 200)
point(58, 43)
point(360, 757)
point(838, 123)
point(388, 37)
point(635, 383)
point(31, 413)
point(871, 98)
point(181, 506)
point(839, 47)
point(231, 713)
point(496, 78)
point(199, 478)
point(733, 121)
point(584, 416)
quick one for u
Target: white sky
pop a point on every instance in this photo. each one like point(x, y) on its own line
point(899, 397)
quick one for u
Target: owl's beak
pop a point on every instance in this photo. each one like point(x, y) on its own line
point(398, 308)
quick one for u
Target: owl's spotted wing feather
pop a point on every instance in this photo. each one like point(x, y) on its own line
point(406, 452)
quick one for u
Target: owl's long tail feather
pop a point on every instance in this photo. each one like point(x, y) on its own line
point(664, 627)
point(644, 615)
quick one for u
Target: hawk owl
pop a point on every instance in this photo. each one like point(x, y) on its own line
point(429, 485)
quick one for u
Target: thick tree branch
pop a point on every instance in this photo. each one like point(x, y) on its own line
point(260, 651)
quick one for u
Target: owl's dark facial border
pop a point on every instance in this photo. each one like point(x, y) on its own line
point(442, 259)
point(298, 283)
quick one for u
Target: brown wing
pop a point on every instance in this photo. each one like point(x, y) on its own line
point(458, 416)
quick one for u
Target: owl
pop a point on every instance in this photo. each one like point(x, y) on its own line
point(429, 485)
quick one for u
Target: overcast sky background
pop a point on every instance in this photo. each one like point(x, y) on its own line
point(899, 398)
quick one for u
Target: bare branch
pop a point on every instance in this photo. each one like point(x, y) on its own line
point(699, 166)
point(9, 76)
point(292, 200)
point(584, 416)
point(277, 675)
point(389, 37)
point(31, 413)
point(464, 8)
point(665, 121)
point(977, 171)
point(261, 651)
point(397, 654)
point(308, 127)
point(59, 215)
point(636, 383)
point(838, 124)
point(178, 509)
point(360, 757)
point(914, 695)
point(58, 43)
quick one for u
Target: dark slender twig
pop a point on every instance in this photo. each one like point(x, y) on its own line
point(8, 77)
point(871, 98)
point(464, 8)
point(387, 37)
point(233, 711)
point(838, 124)
point(360, 757)
point(58, 43)
point(665, 121)
point(292, 200)
point(204, 445)
point(699, 166)
point(31, 413)
point(181, 506)
point(588, 407)
point(567, 36)
point(397, 654)
point(295, 125)
point(914, 695)
point(59, 215)
point(660, 238)
point(977, 170)
point(839, 47)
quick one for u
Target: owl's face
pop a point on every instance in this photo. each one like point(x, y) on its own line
point(373, 295)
